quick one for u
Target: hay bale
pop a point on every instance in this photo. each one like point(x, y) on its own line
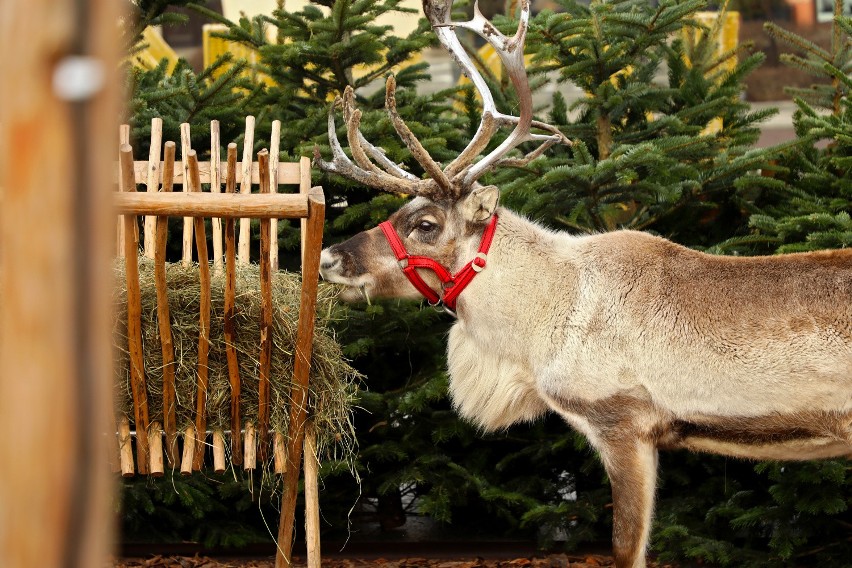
point(333, 382)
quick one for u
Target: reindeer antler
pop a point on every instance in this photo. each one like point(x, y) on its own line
point(511, 53)
point(392, 178)
point(462, 172)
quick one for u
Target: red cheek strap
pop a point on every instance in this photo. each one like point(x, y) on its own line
point(451, 284)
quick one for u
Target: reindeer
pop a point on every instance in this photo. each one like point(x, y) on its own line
point(638, 343)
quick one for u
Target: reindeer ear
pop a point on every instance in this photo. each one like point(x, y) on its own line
point(480, 203)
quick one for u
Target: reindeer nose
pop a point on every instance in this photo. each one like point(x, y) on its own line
point(329, 264)
point(328, 261)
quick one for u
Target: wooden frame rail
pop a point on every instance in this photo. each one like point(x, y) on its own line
point(156, 204)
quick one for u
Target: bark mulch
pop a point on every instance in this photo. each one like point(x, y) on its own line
point(548, 561)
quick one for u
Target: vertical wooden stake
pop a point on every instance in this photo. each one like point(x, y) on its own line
point(301, 373)
point(250, 454)
point(274, 157)
point(125, 445)
point(203, 319)
point(244, 252)
point(280, 453)
point(186, 146)
point(216, 187)
point(264, 386)
point(304, 188)
point(230, 328)
point(155, 445)
point(312, 511)
point(134, 317)
point(153, 182)
point(164, 315)
point(123, 138)
point(114, 450)
point(218, 451)
point(189, 444)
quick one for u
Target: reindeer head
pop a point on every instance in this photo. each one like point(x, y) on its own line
point(451, 210)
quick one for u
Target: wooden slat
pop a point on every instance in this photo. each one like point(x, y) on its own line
point(218, 451)
point(243, 246)
point(279, 453)
point(188, 450)
point(230, 328)
point(274, 158)
point(250, 453)
point(203, 321)
point(264, 386)
point(304, 188)
point(134, 318)
point(125, 445)
point(164, 317)
point(155, 449)
point(113, 449)
point(301, 371)
point(152, 182)
point(186, 147)
point(288, 172)
point(254, 205)
point(312, 512)
point(123, 138)
point(215, 187)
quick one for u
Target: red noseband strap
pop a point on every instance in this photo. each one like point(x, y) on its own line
point(451, 284)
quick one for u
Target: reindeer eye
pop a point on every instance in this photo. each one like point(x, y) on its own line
point(426, 226)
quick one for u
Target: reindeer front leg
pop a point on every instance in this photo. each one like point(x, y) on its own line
point(631, 464)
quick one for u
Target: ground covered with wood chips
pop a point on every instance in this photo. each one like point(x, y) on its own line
point(547, 561)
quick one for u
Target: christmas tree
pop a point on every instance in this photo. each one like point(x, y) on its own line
point(816, 214)
point(789, 514)
point(663, 142)
point(662, 137)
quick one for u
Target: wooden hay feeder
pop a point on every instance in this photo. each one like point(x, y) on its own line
point(250, 441)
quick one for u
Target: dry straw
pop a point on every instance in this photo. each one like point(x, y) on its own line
point(333, 382)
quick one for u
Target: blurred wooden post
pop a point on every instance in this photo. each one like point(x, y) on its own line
point(58, 108)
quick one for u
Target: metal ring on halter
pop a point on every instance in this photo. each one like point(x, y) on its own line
point(440, 306)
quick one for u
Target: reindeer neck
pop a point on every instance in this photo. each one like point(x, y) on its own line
point(522, 262)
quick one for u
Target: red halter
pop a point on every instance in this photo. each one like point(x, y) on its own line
point(451, 285)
